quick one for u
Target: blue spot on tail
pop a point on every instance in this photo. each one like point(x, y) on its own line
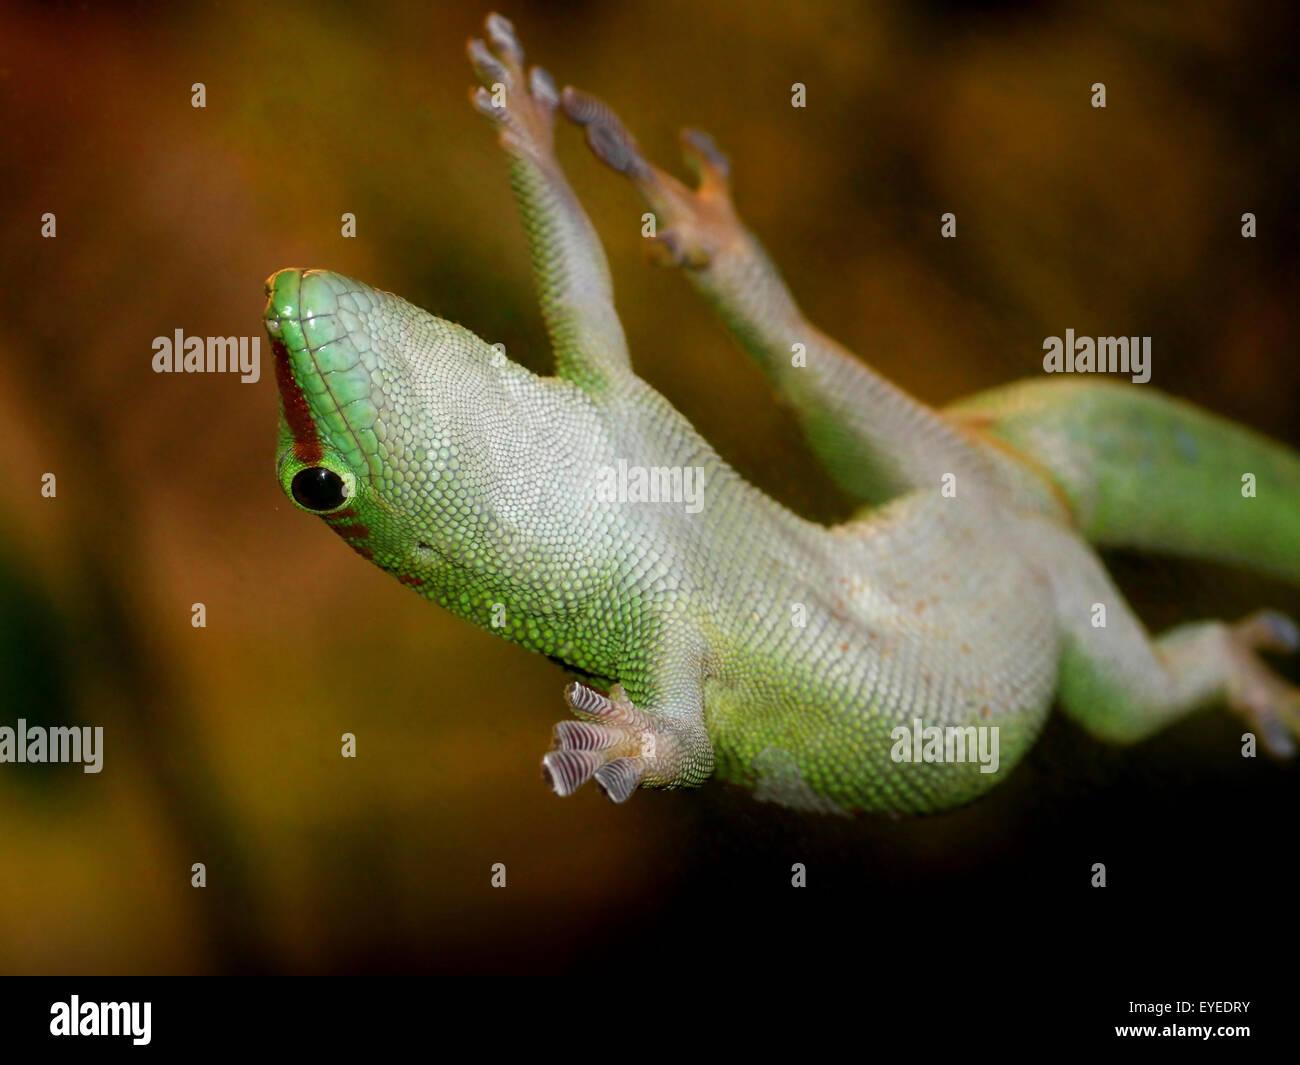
point(1187, 445)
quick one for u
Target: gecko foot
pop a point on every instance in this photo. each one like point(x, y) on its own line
point(1269, 704)
point(693, 225)
point(523, 108)
point(620, 747)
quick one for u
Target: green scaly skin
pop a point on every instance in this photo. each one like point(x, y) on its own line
point(741, 641)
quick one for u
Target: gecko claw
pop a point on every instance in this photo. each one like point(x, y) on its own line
point(671, 248)
point(709, 164)
point(489, 69)
point(694, 224)
point(502, 32)
point(621, 747)
point(580, 736)
point(619, 778)
point(542, 86)
point(608, 139)
point(1270, 705)
point(524, 107)
point(604, 744)
point(1269, 630)
point(567, 771)
point(482, 101)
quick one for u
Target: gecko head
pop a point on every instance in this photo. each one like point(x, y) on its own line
point(387, 418)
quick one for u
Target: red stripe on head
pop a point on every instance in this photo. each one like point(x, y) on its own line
point(414, 582)
point(306, 441)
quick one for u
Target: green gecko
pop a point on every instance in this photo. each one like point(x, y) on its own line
point(734, 639)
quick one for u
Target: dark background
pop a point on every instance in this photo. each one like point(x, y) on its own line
point(222, 743)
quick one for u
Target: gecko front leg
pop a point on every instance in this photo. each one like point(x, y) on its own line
point(569, 264)
point(623, 747)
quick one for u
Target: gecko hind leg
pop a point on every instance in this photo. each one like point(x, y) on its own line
point(1123, 685)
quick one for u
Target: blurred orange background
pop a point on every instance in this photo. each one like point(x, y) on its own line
point(222, 743)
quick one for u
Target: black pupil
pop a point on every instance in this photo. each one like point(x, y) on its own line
point(318, 488)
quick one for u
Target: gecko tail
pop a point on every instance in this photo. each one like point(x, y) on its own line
point(1144, 470)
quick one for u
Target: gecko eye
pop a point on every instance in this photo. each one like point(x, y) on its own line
point(317, 488)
